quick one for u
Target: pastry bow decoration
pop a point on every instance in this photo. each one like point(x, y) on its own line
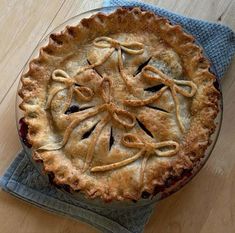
point(146, 149)
point(132, 48)
point(151, 73)
point(83, 93)
point(122, 117)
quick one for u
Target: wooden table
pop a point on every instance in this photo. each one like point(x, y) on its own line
point(205, 205)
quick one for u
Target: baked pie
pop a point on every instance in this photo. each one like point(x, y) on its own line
point(119, 104)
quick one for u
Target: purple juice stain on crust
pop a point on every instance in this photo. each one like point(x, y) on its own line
point(23, 131)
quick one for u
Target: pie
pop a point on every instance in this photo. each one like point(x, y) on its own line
point(119, 104)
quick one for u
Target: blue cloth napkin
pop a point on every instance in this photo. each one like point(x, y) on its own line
point(23, 180)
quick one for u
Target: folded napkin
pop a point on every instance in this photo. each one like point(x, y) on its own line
point(24, 181)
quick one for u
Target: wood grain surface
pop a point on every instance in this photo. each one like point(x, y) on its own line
point(205, 205)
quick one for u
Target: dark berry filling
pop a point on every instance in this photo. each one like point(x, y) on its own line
point(89, 132)
point(156, 108)
point(76, 108)
point(23, 131)
point(145, 195)
point(142, 66)
point(142, 126)
point(155, 88)
point(72, 109)
point(111, 139)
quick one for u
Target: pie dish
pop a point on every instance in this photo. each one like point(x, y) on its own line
point(118, 111)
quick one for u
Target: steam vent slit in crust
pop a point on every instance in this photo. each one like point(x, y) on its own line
point(118, 111)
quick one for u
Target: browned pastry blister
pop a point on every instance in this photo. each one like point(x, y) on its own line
point(116, 110)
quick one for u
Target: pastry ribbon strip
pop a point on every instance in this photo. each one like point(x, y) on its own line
point(173, 84)
point(146, 149)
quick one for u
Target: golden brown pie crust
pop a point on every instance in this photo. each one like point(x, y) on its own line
point(95, 63)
